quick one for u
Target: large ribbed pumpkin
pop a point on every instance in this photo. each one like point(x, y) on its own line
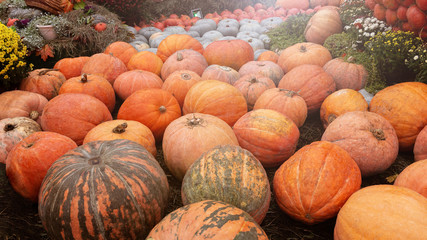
point(311, 82)
point(315, 182)
point(179, 82)
point(105, 65)
point(232, 53)
point(266, 68)
point(74, 115)
point(404, 105)
point(413, 177)
point(220, 73)
point(216, 98)
point(369, 139)
point(121, 50)
point(420, 146)
point(208, 220)
point(71, 67)
point(134, 80)
point(229, 174)
point(186, 59)
point(28, 162)
point(18, 103)
point(324, 23)
point(146, 61)
point(43, 81)
point(189, 136)
point(175, 42)
point(155, 108)
point(383, 212)
point(347, 74)
point(252, 86)
point(103, 189)
point(269, 135)
point(287, 102)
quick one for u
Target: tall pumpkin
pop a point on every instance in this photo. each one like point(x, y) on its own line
point(324, 23)
point(18, 103)
point(175, 42)
point(232, 53)
point(347, 74)
point(134, 80)
point(43, 81)
point(103, 189)
point(186, 59)
point(104, 65)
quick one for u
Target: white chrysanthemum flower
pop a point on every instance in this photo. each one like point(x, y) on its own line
point(415, 57)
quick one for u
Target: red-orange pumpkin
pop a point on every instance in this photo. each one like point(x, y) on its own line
point(269, 135)
point(231, 53)
point(155, 108)
point(186, 59)
point(413, 177)
point(146, 61)
point(71, 67)
point(104, 65)
point(18, 103)
point(265, 68)
point(134, 80)
point(346, 74)
point(315, 182)
point(28, 162)
point(324, 23)
point(121, 50)
point(268, 56)
point(117, 181)
point(43, 81)
point(175, 42)
point(252, 86)
point(220, 73)
point(420, 146)
point(179, 82)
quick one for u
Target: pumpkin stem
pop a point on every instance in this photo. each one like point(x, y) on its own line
point(186, 76)
point(303, 48)
point(29, 145)
point(331, 118)
point(162, 109)
point(194, 121)
point(289, 93)
point(179, 56)
point(121, 128)
point(44, 71)
point(253, 80)
point(94, 161)
point(261, 64)
point(378, 134)
point(9, 127)
point(34, 115)
point(84, 78)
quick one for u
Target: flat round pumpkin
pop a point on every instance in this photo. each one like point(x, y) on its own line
point(44, 81)
point(134, 80)
point(175, 42)
point(71, 67)
point(18, 103)
point(231, 53)
point(179, 82)
point(104, 65)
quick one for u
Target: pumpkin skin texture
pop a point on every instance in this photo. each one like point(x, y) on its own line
point(324, 23)
point(420, 146)
point(396, 104)
point(179, 82)
point(315, 182)
point(155, 108)
point(269, 135)
point(311, 82)
point(12, 131)
point(74, 115)
point(413, 177)
point(216, 98)
point(146, 61)
point(303, 53)
point(287, 102)
point(71, 67)
point(265, 68)
point(123, 129)
point(121, 50)
point(175, 42)
point(229, 174)
point(208, 220)
point(369, 139)
point(186, 59)
point(232, 53)
point(104, 65)
point(93, 85)
point(252, 86)
point(134, 80)
point(220, 73)
point(382, 212)
point(28, 162)
point(117, 182)
point(43, 81)
point(346, 74)
point(340, 102)
point(18, 103)
point(189, 136)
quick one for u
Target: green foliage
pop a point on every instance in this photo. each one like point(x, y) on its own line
point(339, 44)
point(417, 62)
point(351, 10)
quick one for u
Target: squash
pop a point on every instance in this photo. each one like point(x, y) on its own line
point(175, 42)
point(43, 81)
point(220, 73)
point(265, 68)
point(231, 53)
point(252, 86)
point(121, 50)
point(179, 82)
point(71, 67)
point(104, 65)
point(146, 61)
point(186, 59)
point(134, 80)
point(324, 23)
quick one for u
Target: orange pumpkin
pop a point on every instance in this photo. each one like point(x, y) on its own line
point(288, 4)
point(134, 80)
point(104, 65)
point(413, 177)
point(18, 103)
point(179, 82)
point(155, 108)
point(396, 103)
point(324, 23)
point(346, 74)
point(315, 3)
point(93, 85)
point(175, 42)
point(268, 56)
point(382, 212)
point(420, 146)
point(186, 59)
point(265, 68)
point(232, 53)
point(315, 182)
point(252, 86)
point(220, 73)
point(146, 61)
point(43, 81)
point(122, 50)
point(71, 67)
point(216, 98)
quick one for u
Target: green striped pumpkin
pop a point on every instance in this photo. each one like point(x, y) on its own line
point(103, 190)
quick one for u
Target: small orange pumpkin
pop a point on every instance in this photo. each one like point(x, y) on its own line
point(268, 56)
point(100, 27)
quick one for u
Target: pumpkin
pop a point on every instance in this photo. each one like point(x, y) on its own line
point(104, 65)
point(303, 53)
point(229, 174)
point(12, 131)
point(313, 184)
point(71, 67)
point(265, 68)
point(379, 11)
point(382, 212)
point(146, 61)
point(369, 139)
point(208, 220)
point(100, 27)
point(117, 182)
point(287, 102)
point(134, 80)
point(179, 82)
point(340, 102)
point(324, 23)
point(123, 129)
point(231, 53)
point(288, 4)
point(252, 86)
point(416, 17)
point(315, 3)
point(311, 82)
point(175, 42)
point(43, 81)
point(28, 162)
point(413, 177)
point(74, 115)
point(346, 74)
point(220, 73)
point(396, 104)
point(268, 56)
point(420, 146)
point(186, 59)
point(216, 98)
point(155, 108)
point(121, 50)
point(269, 135)
point(189, 136)
point(18, 103)
point(93, 85)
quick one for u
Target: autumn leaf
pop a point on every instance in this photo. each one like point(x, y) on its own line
point(45, 52)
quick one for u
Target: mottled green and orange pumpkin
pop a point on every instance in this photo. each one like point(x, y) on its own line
point(230, 174)
point(103, 189)
point(43, 81)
